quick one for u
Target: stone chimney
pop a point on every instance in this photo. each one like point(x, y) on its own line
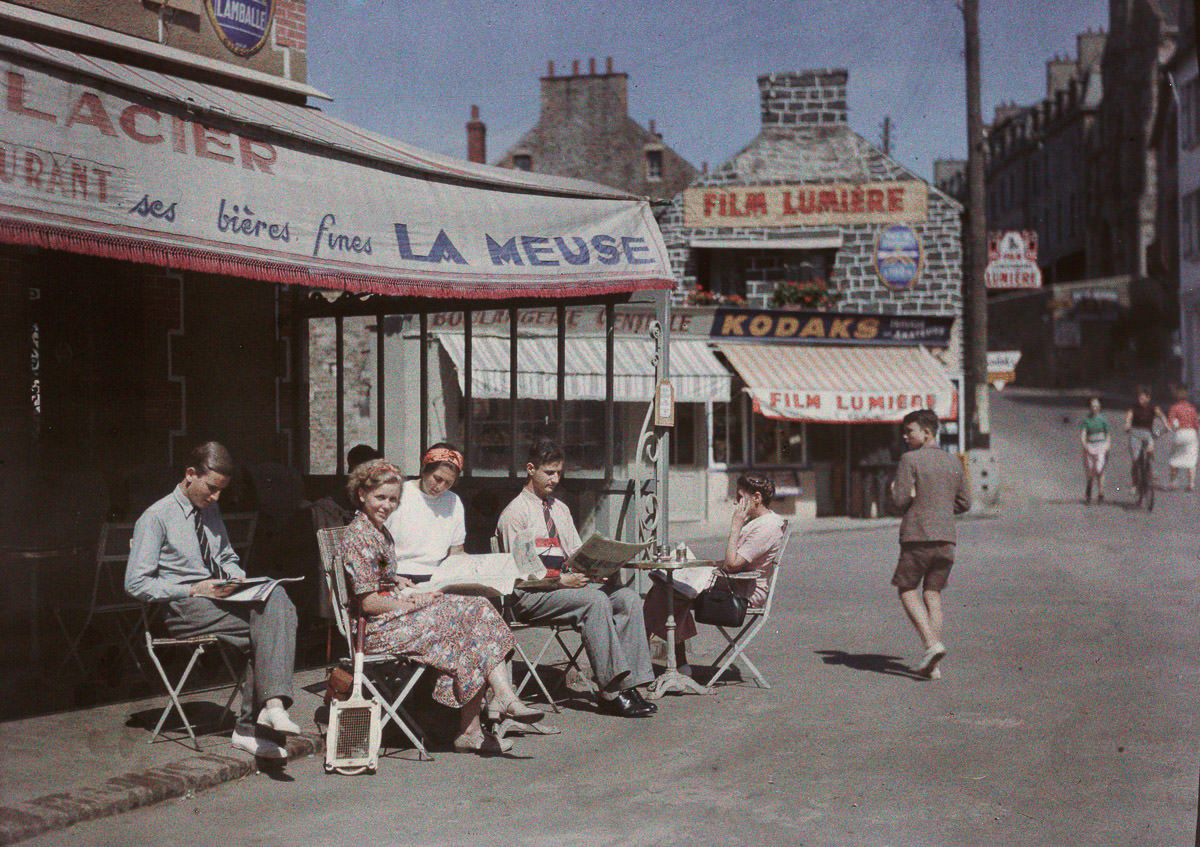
point(1059, 72)
point(805, 99)
point(586, 94)
point(476, 138)
point(1090, 48)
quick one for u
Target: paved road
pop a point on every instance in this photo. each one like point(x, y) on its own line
point(1067, 715)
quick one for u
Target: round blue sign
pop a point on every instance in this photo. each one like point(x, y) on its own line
point(242, 24)
point(898, 257)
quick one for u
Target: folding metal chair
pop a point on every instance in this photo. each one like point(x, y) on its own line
point(197, 645)
point(388, 693)
point(555, 635)
point(108, 600)
point(241, 528)
point(756, 619)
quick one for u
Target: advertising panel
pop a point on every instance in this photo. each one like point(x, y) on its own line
point(802, 204)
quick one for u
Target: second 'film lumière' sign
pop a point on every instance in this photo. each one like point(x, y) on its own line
point(805, 203)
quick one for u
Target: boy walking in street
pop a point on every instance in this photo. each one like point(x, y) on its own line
point(930, 488)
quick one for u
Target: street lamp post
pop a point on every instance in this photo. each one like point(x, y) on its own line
point(974, 294)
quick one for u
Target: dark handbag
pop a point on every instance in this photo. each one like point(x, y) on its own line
point(720, 605)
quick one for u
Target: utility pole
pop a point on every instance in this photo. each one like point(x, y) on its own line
point(887, 135)
point(973, 293)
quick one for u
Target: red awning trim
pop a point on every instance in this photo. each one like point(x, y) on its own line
point(177, 257)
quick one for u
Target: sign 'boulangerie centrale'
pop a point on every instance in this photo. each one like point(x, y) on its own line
point(806, 203)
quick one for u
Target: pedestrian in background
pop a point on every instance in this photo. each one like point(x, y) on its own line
point(930, 489)
point(1094, 435)
point(1182, 419)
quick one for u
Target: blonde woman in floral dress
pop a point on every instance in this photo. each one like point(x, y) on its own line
point(462, 637)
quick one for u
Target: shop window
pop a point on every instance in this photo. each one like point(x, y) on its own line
point(683, 437)
point(654, 165)
point(583, 432)
point(779, 442)
point(728, 436)
point(523, 162)
point(734, 272)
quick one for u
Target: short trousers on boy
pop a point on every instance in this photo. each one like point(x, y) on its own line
point(929, 561)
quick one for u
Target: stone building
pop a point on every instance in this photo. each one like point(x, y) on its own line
point(808, 241)
point(1038, 176)
point(585, 132)
point(1185, 85)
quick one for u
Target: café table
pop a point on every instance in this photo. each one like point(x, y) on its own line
point(672, 680)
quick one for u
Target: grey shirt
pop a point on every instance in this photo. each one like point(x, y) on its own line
point(940, 487)
point(164, 555)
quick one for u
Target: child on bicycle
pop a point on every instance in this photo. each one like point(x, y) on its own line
point(1140, 423)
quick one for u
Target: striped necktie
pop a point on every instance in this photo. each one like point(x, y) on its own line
point(206, 551)
point(551, 529)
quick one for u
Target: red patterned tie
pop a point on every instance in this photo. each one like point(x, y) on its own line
point(551, 529)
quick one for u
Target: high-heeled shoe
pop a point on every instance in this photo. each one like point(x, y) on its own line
point(484, 744)
point(516, 710)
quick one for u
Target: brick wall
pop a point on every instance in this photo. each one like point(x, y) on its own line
point(807, 98)
point(291, 24)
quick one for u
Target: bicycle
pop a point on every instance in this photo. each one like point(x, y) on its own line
point(1142, 471)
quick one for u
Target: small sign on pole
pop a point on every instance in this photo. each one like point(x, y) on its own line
point(1012, 260)
point(664, 405)
point(1002, 367)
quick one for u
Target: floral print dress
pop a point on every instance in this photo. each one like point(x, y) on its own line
point(463, 637)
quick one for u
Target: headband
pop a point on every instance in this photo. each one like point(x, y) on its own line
point(443, 454)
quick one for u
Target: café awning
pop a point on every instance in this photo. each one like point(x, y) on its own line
point(696, 374)
point(107, 159)
point(845, 384)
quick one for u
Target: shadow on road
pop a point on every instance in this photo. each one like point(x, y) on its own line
point(874, 662)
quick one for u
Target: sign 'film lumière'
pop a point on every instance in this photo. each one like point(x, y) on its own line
point(805, 203)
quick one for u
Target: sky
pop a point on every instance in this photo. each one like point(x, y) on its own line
point(412, 69)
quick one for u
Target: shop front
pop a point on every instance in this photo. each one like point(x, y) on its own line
point(168, 243)
point(833, 275)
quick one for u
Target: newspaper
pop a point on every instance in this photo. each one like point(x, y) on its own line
point(600, 557)
point(255, 589)
point(487, 574)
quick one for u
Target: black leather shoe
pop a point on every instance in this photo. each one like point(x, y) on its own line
point(637, 697)
point(624, 706)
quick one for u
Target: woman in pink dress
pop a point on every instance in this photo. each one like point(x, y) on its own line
point(462, 637)
point(1182, 419)
point(755, 538)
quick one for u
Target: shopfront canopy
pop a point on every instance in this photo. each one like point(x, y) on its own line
point(696, 374)
point(823, 384)
point(107, 159)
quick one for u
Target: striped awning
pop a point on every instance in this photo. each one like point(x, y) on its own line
point(696, 374)
point(107, 159)
point(842, 384)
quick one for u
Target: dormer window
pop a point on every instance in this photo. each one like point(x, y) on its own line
point(523, 162)
point(654, 165)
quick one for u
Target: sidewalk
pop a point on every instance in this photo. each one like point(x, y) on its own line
point(57, 770)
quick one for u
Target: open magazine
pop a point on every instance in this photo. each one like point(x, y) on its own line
point(600, 557)
point(488, 574)
point(254, 589)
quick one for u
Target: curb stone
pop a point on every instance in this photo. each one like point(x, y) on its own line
point(133, 790)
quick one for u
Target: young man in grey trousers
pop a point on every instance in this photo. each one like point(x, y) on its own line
point(181, 555)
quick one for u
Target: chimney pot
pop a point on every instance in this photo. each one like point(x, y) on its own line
point(476, 138)
point(550, 68)
point(574, 67)
point(592, 66)
point(608, 65)
point(652, 127)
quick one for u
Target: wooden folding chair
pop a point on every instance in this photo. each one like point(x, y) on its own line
point(108, 601)
point(388, 693)
point(756, 618)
